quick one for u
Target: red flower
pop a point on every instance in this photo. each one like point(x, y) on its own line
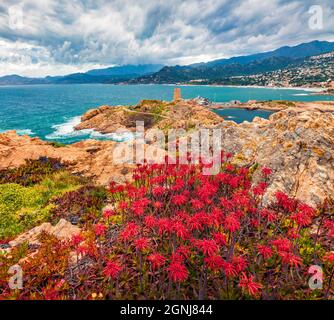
point(150, 221)
point(180, 230)
point(157, 204)
point(329, 257)
point(229, 270)
point(139, 206)
point(266, 171)
point(232, 223)
point(112, 269)
point(265, 251)
point(249, 285)
point(164, 225)
point(196, 204)
point(329, 224)
point(107, 213)
point(290, 259)
point(229, 167)
point(100, 229)
point(270, 215)
point(220, 238)
point(179, 200)
point(196, 222)
point(77, 239)
point(260, 189)
point(239, 263)
point(177, 272)
point(158, 191)
point(301, 219)
point(157, 260)
point(282, 244)
point(178, 185)
point(183, 251)
point(123, 205)
point(214, 262)
point(142, 244)
point(293, 233)
point(130, 231)
point(284, 201)
point(208, 247)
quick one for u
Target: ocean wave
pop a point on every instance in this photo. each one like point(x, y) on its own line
point(119, 137)
point(301, 94)
point(66, 130)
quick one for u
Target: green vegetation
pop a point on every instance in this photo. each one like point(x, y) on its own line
point(25, 200)
point(57, 144)
point(32, 172)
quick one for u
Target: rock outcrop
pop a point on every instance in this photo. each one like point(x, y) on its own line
point(186, 114)
point(91, 158)
point(63, 230)
point(297, 146)
point(322, 106)
point(100, 161)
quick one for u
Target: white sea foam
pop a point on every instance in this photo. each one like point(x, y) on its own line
point(66, 130)
point(300, 94)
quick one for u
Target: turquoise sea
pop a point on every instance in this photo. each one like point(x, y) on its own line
point(51, 111)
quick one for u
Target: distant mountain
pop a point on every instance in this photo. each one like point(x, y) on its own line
point(303, 50)
point(127, 70)
point(217, 71)
point(108, 75)
point(315, 71)
point(285, 57)
point(18, 80)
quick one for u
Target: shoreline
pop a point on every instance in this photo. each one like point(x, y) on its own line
point(307, 89)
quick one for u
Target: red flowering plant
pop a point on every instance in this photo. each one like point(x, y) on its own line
point(174, 233)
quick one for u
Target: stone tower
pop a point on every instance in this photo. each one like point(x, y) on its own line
point(177, 94)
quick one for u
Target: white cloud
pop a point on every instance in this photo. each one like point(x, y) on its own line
point(64, 36)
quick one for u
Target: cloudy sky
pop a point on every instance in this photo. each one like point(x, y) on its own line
point(55, 37)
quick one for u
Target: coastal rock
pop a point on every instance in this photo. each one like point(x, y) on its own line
point(298, 106)
point(100, 161)
point(297, 146)
point(186, 114)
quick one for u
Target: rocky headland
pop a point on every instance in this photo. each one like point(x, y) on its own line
point(297, 143)
point(186, 114)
